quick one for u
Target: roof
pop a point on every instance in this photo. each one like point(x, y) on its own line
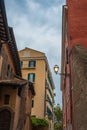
point(16, 82)
point(26, 48)
point(4, 33)
point(7, 36)
point(14, 52)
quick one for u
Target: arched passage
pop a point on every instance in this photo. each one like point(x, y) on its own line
point(5, 119)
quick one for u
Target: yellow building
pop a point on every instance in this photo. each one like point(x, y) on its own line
point(36, 69)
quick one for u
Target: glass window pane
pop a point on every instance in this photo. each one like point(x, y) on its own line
point(32, 63)
point(31, 77)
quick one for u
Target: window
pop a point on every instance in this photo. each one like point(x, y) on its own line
point(21, 64)
point(31, 77)
point(32, 103)
point(32, 63)
point(6, 99)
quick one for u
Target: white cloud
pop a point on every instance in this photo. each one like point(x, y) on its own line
point(39, 28)
point(32, 5)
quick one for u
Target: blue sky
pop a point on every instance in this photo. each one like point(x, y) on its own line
point(37, 24)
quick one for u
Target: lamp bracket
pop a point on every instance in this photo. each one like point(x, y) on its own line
point(64, 74)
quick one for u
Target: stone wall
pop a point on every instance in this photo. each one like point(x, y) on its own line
point(79, 68)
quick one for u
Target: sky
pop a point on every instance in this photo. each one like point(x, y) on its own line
point(37, 24)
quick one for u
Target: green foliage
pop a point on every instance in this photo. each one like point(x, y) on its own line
point(58, 126)
point(57, 118)
point(36, 122)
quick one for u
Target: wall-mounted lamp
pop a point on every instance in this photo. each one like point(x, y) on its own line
point(56, 69)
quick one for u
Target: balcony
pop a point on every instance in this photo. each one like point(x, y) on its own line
point(25, 66)
point(49, 113)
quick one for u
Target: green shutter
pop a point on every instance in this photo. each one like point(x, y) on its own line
point(34, 63)
point(32, 103)
point(29, 64)
point(21, 63)
point(33, 77)
point(28, 76)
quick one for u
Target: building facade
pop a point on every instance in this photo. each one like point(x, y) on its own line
point(74, 65)
point(15, 92)
point(36, 69)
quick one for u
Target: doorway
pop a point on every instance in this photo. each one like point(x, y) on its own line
point(5, 119)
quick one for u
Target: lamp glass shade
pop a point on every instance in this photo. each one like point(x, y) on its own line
point(56, 69)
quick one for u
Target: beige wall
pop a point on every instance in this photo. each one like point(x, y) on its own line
point(39, 86)
point(27, 52)
point(14, 103)
point(38, 109)
point(8, 91)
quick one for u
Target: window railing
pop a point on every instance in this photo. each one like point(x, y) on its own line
point(26, 66)
point(49, 79)
point(50, 114)
point(50, 102)
point(48, 88)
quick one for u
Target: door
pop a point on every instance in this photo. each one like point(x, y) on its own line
point(5, 119)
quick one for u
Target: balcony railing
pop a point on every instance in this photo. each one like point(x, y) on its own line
point(24, 66)
point(49, 113)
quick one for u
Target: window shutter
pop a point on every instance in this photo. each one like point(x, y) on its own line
point(33, 77)
point(28, 76)
point(21, 64)
point(32, 103)
point(29, 64)
point(34, 63)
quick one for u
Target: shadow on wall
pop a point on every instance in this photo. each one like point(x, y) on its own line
point(79, 62)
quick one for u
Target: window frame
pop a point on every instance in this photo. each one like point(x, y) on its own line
point(32, 64)
point(21, 64)
point(31, 79)
point(32, 103)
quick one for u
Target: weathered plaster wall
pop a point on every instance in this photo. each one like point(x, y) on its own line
point(6, 70)
point(79, 68)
